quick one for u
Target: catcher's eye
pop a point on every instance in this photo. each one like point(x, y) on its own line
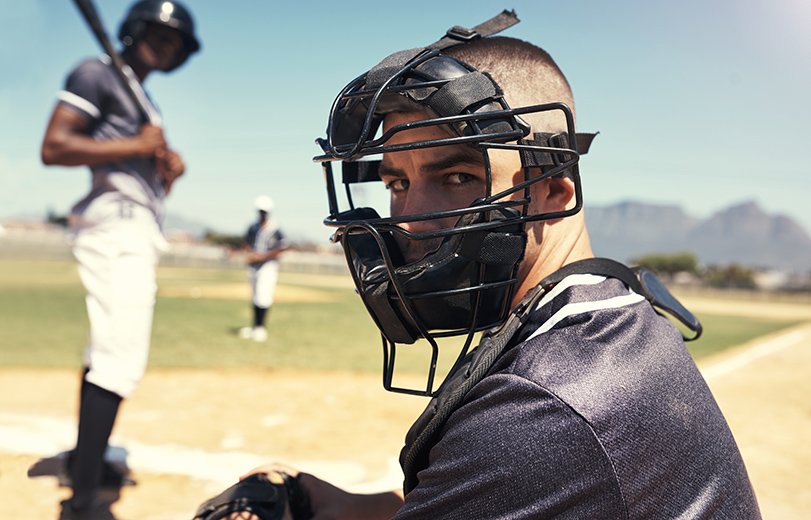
point(459, 178)
point(397, 185)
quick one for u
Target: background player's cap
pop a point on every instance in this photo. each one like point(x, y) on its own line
point(264, 203)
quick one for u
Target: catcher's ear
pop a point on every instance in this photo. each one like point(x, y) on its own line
point(559, 194)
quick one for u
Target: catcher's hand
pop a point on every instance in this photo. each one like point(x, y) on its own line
point(261, 496)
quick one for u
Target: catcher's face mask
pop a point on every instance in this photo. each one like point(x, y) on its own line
point(442, 259)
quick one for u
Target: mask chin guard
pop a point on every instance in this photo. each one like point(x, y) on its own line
point(463, 287)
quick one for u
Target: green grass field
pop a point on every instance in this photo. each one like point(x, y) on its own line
point(43, 323)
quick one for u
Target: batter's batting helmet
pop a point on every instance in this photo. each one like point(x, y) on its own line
point(163, 12)
point(465, 283)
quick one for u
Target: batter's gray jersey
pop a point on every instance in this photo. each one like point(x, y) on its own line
point(93, 90)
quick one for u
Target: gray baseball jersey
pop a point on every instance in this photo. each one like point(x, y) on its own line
point(597, 411)
point(265, 238)
point(94, 91)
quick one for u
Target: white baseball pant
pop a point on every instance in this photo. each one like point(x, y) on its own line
point(117, 262)
point(263, 283)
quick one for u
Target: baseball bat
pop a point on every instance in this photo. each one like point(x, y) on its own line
point(130, 82)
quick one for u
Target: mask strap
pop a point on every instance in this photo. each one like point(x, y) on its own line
point(539, 159)
point(458, 34)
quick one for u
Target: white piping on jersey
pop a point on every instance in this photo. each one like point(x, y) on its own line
point(572, 309)
point(79, 102)
point(151, 112)
point(570, 281)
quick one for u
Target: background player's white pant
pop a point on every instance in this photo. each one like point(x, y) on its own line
point(117, 261)
point(263, 283)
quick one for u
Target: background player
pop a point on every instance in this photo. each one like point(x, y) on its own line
point(581, 401)
point(117, 225)
point(264, 242)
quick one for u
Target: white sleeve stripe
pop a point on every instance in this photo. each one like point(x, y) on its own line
point(570, 281)
point(79, 102)
point(581, 307)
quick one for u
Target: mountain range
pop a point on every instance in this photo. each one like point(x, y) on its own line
point(743, 233)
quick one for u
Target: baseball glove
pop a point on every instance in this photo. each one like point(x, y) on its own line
point(274, 496)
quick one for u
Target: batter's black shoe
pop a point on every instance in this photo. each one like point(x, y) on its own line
point(112, 475)
point(96, 511)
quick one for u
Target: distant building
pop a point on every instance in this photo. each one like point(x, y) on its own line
point(771, 280)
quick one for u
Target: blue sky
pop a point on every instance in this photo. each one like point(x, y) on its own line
point(698, 103)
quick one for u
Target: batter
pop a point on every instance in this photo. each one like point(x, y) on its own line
point(118, 224)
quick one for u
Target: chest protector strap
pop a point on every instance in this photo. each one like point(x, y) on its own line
point(428, 427)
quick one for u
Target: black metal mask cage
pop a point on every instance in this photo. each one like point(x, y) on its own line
point(466, 284)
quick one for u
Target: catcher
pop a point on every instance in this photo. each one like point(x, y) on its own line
point(580, 400)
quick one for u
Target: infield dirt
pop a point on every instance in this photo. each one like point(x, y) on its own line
point(346, 428)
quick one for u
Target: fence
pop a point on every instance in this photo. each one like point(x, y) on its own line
point(54, 244)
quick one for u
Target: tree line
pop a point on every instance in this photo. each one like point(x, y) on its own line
point(668, 266)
